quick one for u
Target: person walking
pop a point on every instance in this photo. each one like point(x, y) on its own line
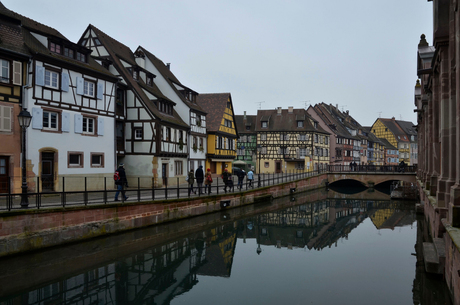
point(250, 177)
point(208, 181)
point(240, 174)
point(191, 180)
point(199, 176)
point(120, 181)
point(225, 176)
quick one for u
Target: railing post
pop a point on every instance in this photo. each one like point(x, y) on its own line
point(105, 190)
point(217, 185)
point(63, 192)
point(38, 198)
point(9, 199)
point(178, 195)
point(153, 188)
point(138, 189)
point(166, 188)
point(86, 193)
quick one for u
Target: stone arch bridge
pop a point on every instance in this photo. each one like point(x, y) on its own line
point(371, 179)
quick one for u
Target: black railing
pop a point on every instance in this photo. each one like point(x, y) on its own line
point(137, 191)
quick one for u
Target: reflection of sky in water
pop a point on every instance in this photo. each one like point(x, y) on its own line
point(370, 267)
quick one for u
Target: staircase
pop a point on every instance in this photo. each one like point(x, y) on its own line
point(434, 255)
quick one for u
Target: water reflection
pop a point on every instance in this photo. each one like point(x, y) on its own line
point(153, 267)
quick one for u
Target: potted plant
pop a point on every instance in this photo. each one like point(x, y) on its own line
point(181, 144)
point(194, 148)
point(201, 149)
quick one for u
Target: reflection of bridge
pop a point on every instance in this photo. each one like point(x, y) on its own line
point(371, 179)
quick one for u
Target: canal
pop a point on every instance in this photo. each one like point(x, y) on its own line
point(315, 248)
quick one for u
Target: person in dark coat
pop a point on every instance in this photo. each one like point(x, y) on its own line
point(225, 178)
point(199, 176)
point(121, 183)
point(240, 174)
point(191, 180)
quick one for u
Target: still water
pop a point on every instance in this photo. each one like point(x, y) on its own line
point(305, 249)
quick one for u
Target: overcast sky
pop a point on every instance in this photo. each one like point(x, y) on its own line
point(359, 54)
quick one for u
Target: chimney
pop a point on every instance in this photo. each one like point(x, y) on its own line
point(168, 65)
point(244, 117)
point(278, 110)
point(290, 109)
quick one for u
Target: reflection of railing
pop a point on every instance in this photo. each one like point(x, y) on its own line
point(373, 168)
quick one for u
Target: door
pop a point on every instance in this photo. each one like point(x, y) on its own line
point(4, 161)
point(213, 168)
point(278, 167)
point(164, 173)
point(47, 171)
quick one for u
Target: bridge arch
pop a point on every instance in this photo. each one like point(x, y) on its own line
point(370, 179)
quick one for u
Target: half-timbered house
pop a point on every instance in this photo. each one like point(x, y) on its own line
point(186, 104)
point(151, 135)
point(247, 142)
point(289, 140)
point(389, 129)
point(71, 99)
point(221, 129)
point(14, 57)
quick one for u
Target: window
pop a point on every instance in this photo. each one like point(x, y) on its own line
point(264, 124)
point(50, 120)
point(68, 52)
point(228, 123)
point(74, 159)
point(326, 139)
point(97, 42)
point(5, 118)
point(302, 152)
point(81, 57)
point(5, 72)
point(248, 127)
point(97, 159)
point(135, 74)
point(316, 138)
point(138, 134)
point(266, 164)
point(88, 125)
point(51, 79)
point(88, 88)
point(303, 137)
point(299, 123)
point(178, 167)
point(55, 48)
point(263, 137)
point(149, 80)
point(167, 134)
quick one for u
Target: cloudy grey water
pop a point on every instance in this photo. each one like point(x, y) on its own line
point(326, 252)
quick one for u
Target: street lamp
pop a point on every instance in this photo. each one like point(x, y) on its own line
point(24, 119)
point(259, 148)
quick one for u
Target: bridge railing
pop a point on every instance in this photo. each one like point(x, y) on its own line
point(372, 168)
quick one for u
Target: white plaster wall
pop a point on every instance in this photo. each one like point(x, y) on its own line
point(138, 165)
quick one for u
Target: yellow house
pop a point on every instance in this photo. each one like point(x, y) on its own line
point(221, 130)
point(390, 130)
point(14, 58)
point(290, 140)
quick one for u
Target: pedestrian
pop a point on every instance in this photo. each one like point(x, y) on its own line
point(225, 176)
point(355, 166)
point(240, 174)
point(191, 180)
point(250, 177)
point(208, 181)
point(402, 166)
point(199, 176)
point(351, 166)
point(120, 181)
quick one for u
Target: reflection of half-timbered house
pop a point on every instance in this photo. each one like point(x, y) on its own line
point(71, 99)
point(247, 142)
point(150, 133)
point(186, 104)
point(222, 131)
point(14, 57)
point(290, 140)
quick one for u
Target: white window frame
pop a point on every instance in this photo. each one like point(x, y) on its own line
point(101, 156)
point(89, 88)
point(264, 124)
point(86, 125)
point(138, 134)
point(51, 79)
point(299, 123)
point(5, 78)
point(47, 121)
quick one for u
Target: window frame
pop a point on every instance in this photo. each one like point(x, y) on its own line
point(46, 124)
point(135, 133)
point(80, 155)
point(2, 78)
point(101, 155)
point(86, 88)
point(50, 81)
point(87, 118)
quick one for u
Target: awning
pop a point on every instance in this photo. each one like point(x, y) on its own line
point(240, 162)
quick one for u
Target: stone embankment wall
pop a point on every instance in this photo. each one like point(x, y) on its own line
point(27, 230)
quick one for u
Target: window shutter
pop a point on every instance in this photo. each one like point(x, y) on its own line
point(279, 150)
point(297, 153)
point(37, 118)
point(287, 150)
point(39, 76)
point(80, 85)
point(78, 120)
point(100, 91)
point(17, 73)
point(100, 126)
point(65, 82)
point(5, 118)
point(66, 122)
point(287, 137)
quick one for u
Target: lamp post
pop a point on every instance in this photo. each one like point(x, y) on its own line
point(24, 119)
point(259, 148)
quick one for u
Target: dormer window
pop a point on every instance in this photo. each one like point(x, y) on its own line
point(68, 52)
point(55, 48)
point(165, 108)
point(80, 57)
point(264, 124)
point(316, 125)
point(149, 80)
point(135, 75)
point(299, 123)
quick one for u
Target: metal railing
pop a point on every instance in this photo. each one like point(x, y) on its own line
point(39, 198)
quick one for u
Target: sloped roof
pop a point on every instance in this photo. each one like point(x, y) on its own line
point(170, 78)
point(395, 129)
point(119, 51)
point(286, 121)
point(215, 104)
point(408, 127)
point(387, 144)
point(242, 124)
point(333, 117)
point(12, 38)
